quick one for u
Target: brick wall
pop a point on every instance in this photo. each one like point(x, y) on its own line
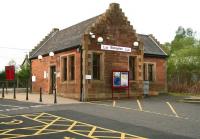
point(70, 89)
point(160, 83)
point(115, 30)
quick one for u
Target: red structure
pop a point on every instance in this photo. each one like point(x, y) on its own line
point(10, 72)
point(120, 81)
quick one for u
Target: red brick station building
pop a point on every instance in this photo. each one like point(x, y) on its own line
point(78, 61)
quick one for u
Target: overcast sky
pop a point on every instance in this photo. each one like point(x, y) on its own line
point(24, 23)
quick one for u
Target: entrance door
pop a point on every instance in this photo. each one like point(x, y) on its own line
point(52, 79)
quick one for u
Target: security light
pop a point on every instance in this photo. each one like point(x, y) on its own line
point(40, 57)
point(91, 33)
point(93, 36)
point(100, 40)
point(135, 44)
point(51, 54)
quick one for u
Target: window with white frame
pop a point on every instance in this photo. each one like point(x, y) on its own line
point(64, 69)
point(149, 72)
point(68, 68)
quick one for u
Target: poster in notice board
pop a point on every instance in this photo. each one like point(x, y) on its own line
point(120, 79)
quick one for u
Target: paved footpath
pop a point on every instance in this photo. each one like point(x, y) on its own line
point(35, 97)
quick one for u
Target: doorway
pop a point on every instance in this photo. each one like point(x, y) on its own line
point(52, 79)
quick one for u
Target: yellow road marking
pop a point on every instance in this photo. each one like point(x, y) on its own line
point(3, 116)
point(123, 136)
point(34, 119)
point(39, 116)
point(13, 122)
point(86, 133)
point(7, 131)
point(172, 109)
point(92, 131)
point(139, 105)
point(38, 132)
point(72, 125)
point(114, 103)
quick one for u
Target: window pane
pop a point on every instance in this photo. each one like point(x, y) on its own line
point(150, 72)
point(96, 66)
point(72, 67)
point(64, 69)
point(132, 67)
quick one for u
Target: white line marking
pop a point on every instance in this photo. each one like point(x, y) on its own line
point(172, 109)
point(167, 115)
point(139, 105)
point(36, 106)
point(9, 106)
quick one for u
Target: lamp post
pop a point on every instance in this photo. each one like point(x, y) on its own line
point(40, 59)
point(51, 54)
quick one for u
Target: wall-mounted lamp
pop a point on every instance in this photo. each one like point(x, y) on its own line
point(51, 54)
point(136, 43)
point(100, 40)
point(92, 35)
point(40, 57)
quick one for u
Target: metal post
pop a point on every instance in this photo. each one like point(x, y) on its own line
point(55, 97)
point(40, 94)
point(7, 87)
point(27, 91)
point(3, 91)
point(14, 96)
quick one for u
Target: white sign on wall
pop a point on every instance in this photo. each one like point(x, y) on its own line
point(88, 77)
point(115, 48)
point(45, 74)
point(33, 78)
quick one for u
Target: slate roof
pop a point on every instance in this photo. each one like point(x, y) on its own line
point(151, 47)
point(64, 39)
point(71, 37)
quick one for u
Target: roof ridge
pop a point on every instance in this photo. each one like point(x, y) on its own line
point(81, 22)
point(44, 40)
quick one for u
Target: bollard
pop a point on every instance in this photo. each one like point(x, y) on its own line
point(14, 95)
point(40, 94)
point(27, 91)
point(3, 91)
point(55, 97)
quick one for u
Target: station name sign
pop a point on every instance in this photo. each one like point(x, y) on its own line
point(115, 48)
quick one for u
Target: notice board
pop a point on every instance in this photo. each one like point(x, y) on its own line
point(120, 81)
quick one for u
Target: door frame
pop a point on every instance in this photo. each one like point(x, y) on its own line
point(50, 79)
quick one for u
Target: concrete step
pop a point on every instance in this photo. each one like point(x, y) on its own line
point(191, 100)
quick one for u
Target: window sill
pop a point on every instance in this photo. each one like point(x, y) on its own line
point(97, 81)
point(68, 82)
point(133, 81)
